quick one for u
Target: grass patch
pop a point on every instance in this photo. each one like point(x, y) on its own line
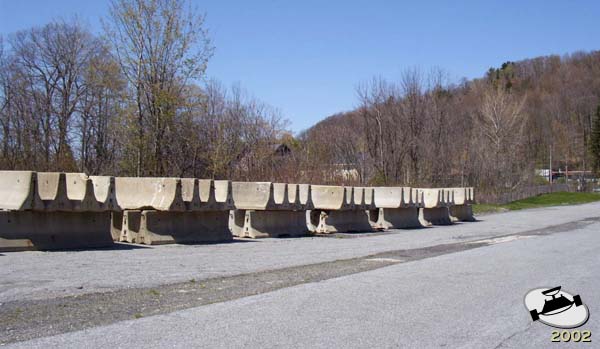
point(544, 200)
point(487, 208)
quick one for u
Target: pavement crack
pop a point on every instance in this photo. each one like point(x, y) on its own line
point(505, 340)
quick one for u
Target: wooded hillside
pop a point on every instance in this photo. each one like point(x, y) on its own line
point(134, 100)
point(490, 132)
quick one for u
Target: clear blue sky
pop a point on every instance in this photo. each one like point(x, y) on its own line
point(306, 57)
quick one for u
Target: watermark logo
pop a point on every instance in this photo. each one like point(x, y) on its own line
point(557, 308)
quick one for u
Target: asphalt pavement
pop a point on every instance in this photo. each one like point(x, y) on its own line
point(456, 286)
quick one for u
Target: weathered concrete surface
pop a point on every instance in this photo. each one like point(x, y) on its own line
point(190, 194)
point(237, 222)
point(51, 192)
point(40, 215)
point(298, 195)
point(261, 196)
point(349, 199)
point(222, 198)
point(470, 195)
point(152, 227)
point(396, 208)
point(116, 225)
point(329, 197)
point(463, 213)
point(32, 230)
point(398, 218)
point(418, 197)
point(435, 197)
point(57, 191)
point(393, 197)
point(253, 195)
point(359, 198)
point(16, 190)
point(369, 198)
point(265, 209)
point(339, 209)
point(263, 224)
point(131, 226)
point(312, 220)
point(282, 198)
point(343, 221)
point(163, 194)
point(364, 198)
point(305, 196)
point(213, 195)
point(460, 195)
point(435, 216)
point(160, 227)
point(104, 191)
point(80, 193)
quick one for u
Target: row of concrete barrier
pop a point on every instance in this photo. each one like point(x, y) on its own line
point(44, 210)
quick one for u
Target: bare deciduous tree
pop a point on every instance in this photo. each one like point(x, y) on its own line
point(162, 46)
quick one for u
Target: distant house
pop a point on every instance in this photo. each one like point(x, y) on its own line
point(277, 153)
point(281, 149)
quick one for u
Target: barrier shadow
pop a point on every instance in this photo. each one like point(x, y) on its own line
point(117, 246)
point(355, 234)
point(415, 227)
point(284, 236)
point(475, 220)
point(234, 241)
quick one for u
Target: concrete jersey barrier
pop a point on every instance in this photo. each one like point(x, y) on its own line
point(393, 197)
point(328, 197)
point(366, 197)
point(261, 196)
point(81, 193)
point(50, 210)
point(305, 196)
point(470, 195)
point(462, 196)
point(435, 197)
point(206, 194)
point(104, 191)
point(162, 194)
point(216, 195)
point(17, 190)
point(58, 191)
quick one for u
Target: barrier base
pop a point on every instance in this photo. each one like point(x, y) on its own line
point(262, 224)
point(152, 227)
point(32, 230)
point(130, 226)
point(343, 221)
point(116, 226)
point(398, 218)
point(312, 220)
point(434, 216)
point(237, 221)
point(463, 213)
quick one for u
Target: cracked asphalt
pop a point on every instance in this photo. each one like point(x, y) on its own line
point(454, 286)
